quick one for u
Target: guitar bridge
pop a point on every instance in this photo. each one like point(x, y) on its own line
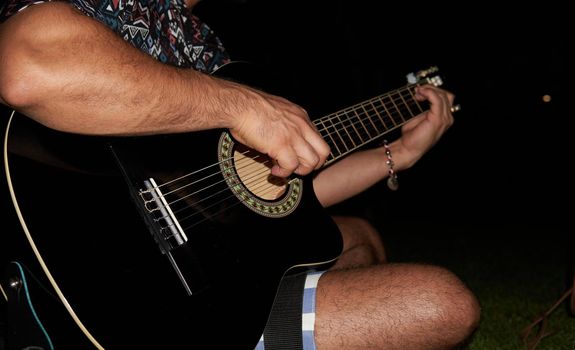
point(170, 234)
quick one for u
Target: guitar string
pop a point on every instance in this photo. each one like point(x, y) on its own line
point(254, 175)
point(343, 111)
point(182, 219)
point(390, 95)
point(248, 161)
point(336, 130)
point(205, 177)
point(245, 180)
point(208, 216)
point(197, 212)
point(410, 101)
point(192, 173)
point(406, 103)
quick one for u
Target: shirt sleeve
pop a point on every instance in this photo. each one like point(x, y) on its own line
point(11, 7)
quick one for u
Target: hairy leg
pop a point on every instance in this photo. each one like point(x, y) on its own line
point(362, 303)
point(393, 306)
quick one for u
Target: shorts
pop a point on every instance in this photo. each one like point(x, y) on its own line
point(292, 318)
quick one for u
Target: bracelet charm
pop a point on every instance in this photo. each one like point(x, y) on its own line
point(392, 182)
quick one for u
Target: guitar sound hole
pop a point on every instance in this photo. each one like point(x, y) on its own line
point(254, 171)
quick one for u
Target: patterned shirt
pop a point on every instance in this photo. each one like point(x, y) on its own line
point(165, 29)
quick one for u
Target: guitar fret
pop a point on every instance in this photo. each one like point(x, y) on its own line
point(333, 129)
point(361, 122)
point(351, 130)
point(388, 110)
point(329, 133)
point(412, 95)
point(406, 104)
point(370, 120)
point(346, 138)
point(379, 115)
point(353, 125)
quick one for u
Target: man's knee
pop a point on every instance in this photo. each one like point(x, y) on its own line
point(358, 231)
point(362, 242)
point(456, 310)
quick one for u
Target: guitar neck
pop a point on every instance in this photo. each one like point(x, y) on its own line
point(351, 128)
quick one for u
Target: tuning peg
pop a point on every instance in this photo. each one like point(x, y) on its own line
point(414, 78)
point(425, 72)
point(455, 108)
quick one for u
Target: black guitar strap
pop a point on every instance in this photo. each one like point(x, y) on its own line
point(284, 328)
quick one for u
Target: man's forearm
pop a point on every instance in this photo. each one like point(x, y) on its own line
point(71, 73)
point(358, 172)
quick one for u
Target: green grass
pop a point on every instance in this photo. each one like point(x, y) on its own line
point(517, 272)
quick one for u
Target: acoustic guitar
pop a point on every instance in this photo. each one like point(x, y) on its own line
point(175, 241)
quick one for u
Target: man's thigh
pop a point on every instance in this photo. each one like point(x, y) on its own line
point(393, 306)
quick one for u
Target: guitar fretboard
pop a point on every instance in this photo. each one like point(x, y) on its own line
point(358, 125)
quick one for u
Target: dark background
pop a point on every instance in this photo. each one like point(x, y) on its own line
point(507, 156)
point(500, 174)
point(506, 160)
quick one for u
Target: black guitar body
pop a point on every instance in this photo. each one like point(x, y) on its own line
point(175, 241)
point(162, 242)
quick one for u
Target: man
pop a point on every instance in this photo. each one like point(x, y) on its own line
point(67, 71)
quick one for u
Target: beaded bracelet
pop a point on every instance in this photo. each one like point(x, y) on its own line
point(392, 182)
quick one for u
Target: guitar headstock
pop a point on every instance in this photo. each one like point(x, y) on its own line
point(429, 76)
point(425, 76)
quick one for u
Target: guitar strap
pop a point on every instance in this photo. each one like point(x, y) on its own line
point(284, 328)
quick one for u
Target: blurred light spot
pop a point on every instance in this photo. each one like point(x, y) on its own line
point(546, 98)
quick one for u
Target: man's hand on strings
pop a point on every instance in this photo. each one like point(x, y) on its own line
point(280, 129)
